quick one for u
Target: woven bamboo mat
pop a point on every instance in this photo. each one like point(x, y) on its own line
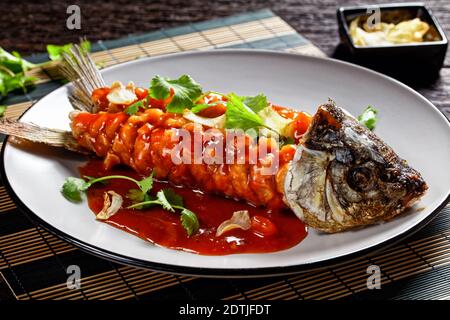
point(33, 262)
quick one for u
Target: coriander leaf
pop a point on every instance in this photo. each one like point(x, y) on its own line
point(189, 221)
point(72, 188)
point(12, 72)
point(256, 103)
point(55, 52)
point(151, 201)
point(146, 184)
point(25, 65)
point(14, 62)
point(135, 195)
point(163, 201)
point(174, 199)
point(148, 197)
point(134, 108)
point(141, 195)
point(163, 196)
point(185, 91)
point(169, 200)
point(369, 118)
point(239, 116)
point(2, 111)
point(202, 106)
point(9, 81)
point(18, 81)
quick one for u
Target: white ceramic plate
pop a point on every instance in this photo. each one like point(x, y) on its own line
point(408, 122)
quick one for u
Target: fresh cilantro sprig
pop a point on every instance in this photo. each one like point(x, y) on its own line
point(14, 62)
point(73, 188)
point(185, 91)
point(13, 68)
point(9, 83)
point(239, 115)
point(170, 201)
point(55, 51)
point(255, 103)
point(202, 106)
point(241, 112)
point(189, 221)
point(252, 113)
point(369, 118)
point(134, 108)
point(12, 72)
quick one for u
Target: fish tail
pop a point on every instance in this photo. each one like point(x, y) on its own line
point(79, 68)
point(35, 133)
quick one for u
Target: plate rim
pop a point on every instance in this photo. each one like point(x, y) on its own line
point(224, 272)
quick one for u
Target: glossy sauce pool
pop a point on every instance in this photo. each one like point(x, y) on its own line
point(164, 228)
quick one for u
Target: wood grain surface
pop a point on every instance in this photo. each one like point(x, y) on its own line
point(27, 26)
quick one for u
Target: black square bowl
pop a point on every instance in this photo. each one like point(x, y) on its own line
point(400, 60)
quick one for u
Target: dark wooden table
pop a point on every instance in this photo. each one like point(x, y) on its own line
point(26, 26)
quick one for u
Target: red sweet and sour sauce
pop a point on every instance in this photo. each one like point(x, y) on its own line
point(272, 230)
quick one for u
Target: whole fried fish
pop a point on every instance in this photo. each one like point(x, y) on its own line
point(343, 176)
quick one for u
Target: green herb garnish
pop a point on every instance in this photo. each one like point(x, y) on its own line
point(9, 83)
point(2, 111)
point(55, 52)
point(14, 62)
point(185, 91)
point(170, 201)
point(240, 116)
point(134, 108)
point(202, 106)
point(13, 67)
point(74, 187)
point(12, 73)
point(256, 103)
point(189, 221)
point(369, 118)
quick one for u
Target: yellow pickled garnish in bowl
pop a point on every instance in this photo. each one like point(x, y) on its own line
point(409, 31)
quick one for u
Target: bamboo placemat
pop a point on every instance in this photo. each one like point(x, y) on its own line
point(33, 262)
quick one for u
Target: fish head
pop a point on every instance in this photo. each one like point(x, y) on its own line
point(343, 176)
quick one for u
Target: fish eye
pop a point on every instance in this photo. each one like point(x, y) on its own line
point(359, 178)
point(389, 175)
